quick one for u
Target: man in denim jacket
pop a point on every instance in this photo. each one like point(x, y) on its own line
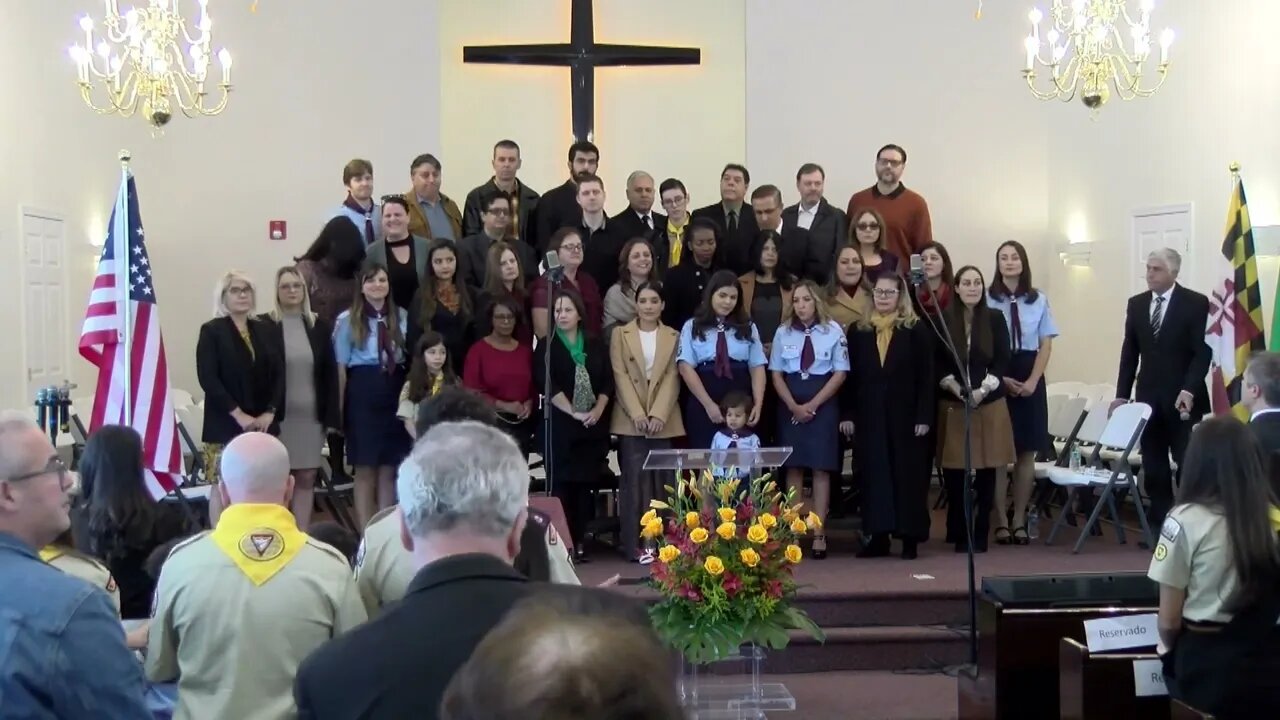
point(62, 647)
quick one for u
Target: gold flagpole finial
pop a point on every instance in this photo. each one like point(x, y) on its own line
point(1234, 168)
point(125, 157)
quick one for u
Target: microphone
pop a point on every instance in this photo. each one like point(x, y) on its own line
point(555, 272)
point(917, 270)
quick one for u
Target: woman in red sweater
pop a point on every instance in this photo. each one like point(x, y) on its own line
point(500, 368)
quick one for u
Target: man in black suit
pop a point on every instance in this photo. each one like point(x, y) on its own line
point(828, 226)
point(1260, 392)
point(524, 199)
point(463, 506)
point(639, 219)
point(473, 250)
point(1164, 331)
point(738, 228)
point(559, 206)
point(793, 248)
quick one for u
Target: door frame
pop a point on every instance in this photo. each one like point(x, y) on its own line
point(25, 211)
point(1135, 262)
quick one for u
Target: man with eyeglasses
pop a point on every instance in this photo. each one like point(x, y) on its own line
point(675, 200)
point(524, 199)
point(63, 653)
point(906, 214)
point(473, 251)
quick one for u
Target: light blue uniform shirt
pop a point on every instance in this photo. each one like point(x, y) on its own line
point(348, 355)
point(1035, 319)
point(721, 441)
point(830, 349)
point(696, 351)
point(359, 219)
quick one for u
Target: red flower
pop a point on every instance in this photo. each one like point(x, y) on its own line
point(731, 583)
point(745, 510)
point(773, 588)
point(688, 592)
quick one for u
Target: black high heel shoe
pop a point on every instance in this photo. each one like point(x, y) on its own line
point(909, 550)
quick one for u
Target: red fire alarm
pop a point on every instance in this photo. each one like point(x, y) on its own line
point(277, 230)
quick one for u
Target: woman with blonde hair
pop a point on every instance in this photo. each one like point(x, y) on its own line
point(888, 408)
point(303, 340)
point(240, 373)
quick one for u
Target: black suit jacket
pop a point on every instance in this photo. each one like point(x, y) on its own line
point(233, 377)
point(829, 231)
point(1177, 361)
point(627, 225)
point(1266, 427)
point(320, 333)
point(526, 197)
point(602, 248)
point(473, 257)
point(734, 249)
point(558, 208)
point(399, 664)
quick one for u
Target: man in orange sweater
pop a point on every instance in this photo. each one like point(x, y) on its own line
point(905, 212)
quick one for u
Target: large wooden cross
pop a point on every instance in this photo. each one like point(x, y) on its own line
point(582, 55)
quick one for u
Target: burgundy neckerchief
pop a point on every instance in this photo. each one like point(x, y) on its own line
point(386, 348)
point(806, 353)
point(351, 203)
point(723, 369)
point(926, 299)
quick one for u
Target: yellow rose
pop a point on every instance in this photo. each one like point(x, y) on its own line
point(648, 517)
point(750, 557)
point(790, 516)
point(691, 519)
point(727, 530)
point(813, 521)
point(713, 565)
point(668, 553)
point(757, 534)
point(653, 529)
point(727, 514)
point(793, 553)
point(768, 520)
point(798, 527)
point(699, 535)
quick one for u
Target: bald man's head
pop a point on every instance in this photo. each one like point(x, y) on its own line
point(255, 469)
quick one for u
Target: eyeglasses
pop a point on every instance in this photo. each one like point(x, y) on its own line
point(55, 466)
point(239, 290)
point(574, 247)
point(673, 200)
point(868, 226)
point(503, 317)
point(500, 212)
point(885, 293)
point(890, 163)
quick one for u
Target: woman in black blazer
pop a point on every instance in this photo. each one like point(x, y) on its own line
point(581, 385)
point(304, 343)
point(444, 303)
point(240, 373)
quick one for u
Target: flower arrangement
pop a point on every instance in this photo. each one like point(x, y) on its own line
point(726, 557)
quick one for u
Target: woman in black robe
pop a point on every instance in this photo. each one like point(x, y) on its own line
point(888, 406)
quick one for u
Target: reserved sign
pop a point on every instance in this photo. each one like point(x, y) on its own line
point(1121, 633)
point(1148, 678)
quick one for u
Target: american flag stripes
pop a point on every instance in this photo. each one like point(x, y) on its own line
point(121, 336)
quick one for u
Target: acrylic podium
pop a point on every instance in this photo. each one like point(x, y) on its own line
point(729, 688)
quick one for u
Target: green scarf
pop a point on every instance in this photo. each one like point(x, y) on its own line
point(577, 349)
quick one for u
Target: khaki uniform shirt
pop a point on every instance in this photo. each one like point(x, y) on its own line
point(235, 647)
point(384, 568)
point(1194, 554)
point(77, 564)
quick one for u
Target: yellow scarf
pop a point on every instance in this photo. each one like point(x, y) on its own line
point(884, 325)
point(49, 553)
point(1274, 512)
point(260, 539)
point(436, 385)
point(676, 235)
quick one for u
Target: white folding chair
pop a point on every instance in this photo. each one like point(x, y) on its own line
point(190, 429)
point(1121, 432)
point(1063, 427)
point(181, 398)
point(1068, 388)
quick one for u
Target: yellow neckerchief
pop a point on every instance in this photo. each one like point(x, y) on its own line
point(260, 539)
point(436, 384)
point(884, 325)
point(1274, 513)
point(49, 553)
point(676, 234)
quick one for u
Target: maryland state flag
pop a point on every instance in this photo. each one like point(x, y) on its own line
point(1235, 310)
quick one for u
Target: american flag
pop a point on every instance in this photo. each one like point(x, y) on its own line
point(103, 343)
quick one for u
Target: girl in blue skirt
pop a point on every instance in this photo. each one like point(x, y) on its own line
point(809, 360)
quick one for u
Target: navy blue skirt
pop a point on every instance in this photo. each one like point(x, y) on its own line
point(697, 426)
point(375, 436)
point(815, 444)
point(1029, 415)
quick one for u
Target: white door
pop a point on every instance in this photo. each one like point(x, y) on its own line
point(1157, 228)
point(46, 334)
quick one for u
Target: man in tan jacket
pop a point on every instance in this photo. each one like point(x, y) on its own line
point(239, 607)
point(432, 215)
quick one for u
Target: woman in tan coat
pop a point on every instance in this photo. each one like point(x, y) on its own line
point(646, 414)
point(848, 297)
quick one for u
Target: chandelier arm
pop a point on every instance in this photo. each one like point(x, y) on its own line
point(86, 92)
point(222, 102)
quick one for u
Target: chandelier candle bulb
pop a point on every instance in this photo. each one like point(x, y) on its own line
point(1031, 46)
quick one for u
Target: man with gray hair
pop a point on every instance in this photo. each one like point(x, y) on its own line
point(1260, 392)
point(63, 653)
point(463, 506)
point(1165, 351)
point(640, 221)
point(239, 607)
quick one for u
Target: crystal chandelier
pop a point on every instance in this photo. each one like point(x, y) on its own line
point(1092, 31)
point(138, 60)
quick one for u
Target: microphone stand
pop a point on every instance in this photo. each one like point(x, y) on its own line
point(967, 401)
point(555, 276)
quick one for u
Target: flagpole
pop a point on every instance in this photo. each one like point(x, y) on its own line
point(121, 234)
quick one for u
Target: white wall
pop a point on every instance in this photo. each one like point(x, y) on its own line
point(831, 81)
point(317, 83)
point(1219, 105)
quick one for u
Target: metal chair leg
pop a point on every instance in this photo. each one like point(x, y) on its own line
point(1062, 516)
